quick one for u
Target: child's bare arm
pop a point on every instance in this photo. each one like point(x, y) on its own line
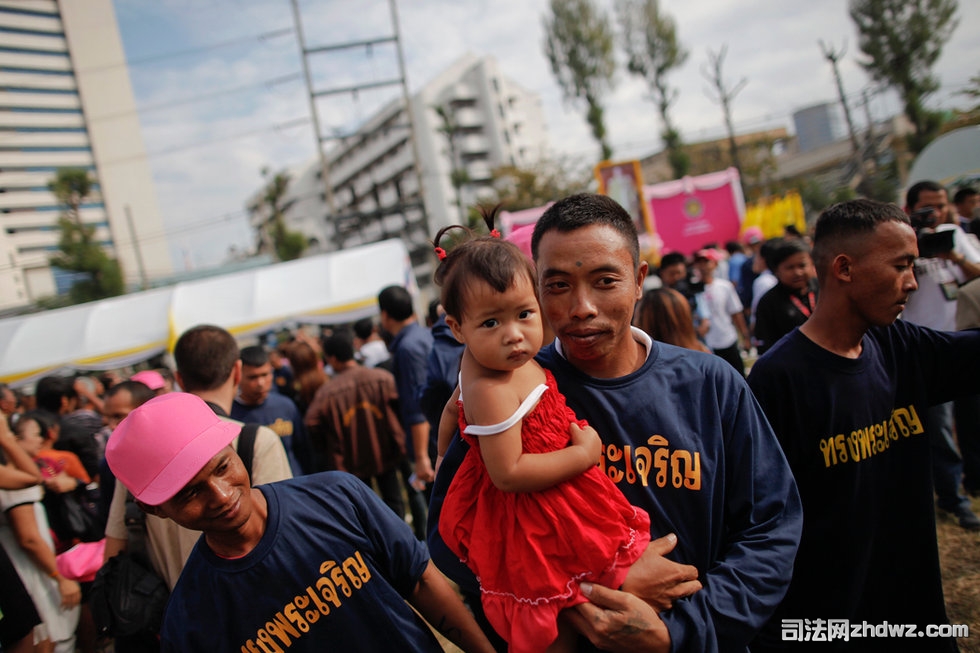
point(512, 470)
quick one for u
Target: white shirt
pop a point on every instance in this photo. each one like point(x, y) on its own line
point(722, 301)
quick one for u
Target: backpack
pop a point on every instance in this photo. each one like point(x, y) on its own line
point(127, 597)
point(74, 516)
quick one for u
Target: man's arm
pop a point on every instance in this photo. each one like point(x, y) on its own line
point(762, 520)
point(439, 604)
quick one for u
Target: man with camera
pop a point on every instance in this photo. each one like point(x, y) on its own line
point(947, 259)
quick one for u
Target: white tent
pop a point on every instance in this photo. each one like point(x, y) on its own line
point(325, 289)
point(952, 158)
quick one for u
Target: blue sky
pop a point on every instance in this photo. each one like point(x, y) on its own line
point(233, 103)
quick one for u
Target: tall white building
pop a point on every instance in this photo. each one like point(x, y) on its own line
point(66, 101)
point(375, 189)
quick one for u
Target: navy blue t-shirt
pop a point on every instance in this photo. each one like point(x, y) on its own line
point(280, 414)
point(853, 433)
point(331, 572)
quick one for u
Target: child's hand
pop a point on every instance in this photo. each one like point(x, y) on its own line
point(588, 439)
point(61, 484)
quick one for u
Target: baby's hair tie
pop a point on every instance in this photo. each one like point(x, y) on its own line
point(441, 253)
point(495, 233)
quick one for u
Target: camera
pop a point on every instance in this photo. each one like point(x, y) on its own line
point(931, 243)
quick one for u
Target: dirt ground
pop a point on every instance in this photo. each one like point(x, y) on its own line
point(959, 553)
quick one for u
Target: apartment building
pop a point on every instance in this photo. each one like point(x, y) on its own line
point(375, 191)
point(66, 101)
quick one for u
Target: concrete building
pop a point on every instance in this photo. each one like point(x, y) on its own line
point(375, 190)
point(818, 125)
point(66, 101)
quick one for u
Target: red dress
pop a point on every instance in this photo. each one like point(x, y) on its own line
point(530, 549)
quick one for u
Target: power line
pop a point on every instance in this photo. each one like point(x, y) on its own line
point(264, 36)
point(289, 124)
point(275, 81)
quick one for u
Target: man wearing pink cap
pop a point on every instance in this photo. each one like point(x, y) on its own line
point(151, 379)
point(313, 562)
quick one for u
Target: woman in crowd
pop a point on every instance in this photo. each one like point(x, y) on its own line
point(26, 539)
point(665, 314)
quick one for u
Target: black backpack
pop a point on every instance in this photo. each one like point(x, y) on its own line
point(127, 597)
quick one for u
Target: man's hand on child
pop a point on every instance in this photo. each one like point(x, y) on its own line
point(618, 621)
point(660, 581)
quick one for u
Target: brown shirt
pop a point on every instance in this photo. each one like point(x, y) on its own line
point(353, 423)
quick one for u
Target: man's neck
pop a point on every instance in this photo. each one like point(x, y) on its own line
point(241, 542)
point(343, 367)
point(828, 330)
point(222, 397)
point(398, 327)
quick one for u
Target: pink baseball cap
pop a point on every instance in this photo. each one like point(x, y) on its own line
point(709, 254)
point(752, 236)
point(160, 446)
point(150, 378)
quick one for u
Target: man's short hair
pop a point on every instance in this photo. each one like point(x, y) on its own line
point(396, 302)
point(49, 391)
point(339, 345)
point(964, 194)
point(254, 356)
point(671, 259)
point(839, 224)
point(139, 393)
point(912, 194)
point(205, 357)
point(364, 327)
point(584, 210)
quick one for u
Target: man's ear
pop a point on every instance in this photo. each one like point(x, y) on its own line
point(455, 327)
point(841, 268)
point(641, 274)
point(237, 372)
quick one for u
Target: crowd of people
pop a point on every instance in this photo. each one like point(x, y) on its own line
point(742, 451)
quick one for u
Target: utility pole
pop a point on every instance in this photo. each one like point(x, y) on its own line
point(833, 57)
point(350, 217)
point(144, 282)
point(318, 139)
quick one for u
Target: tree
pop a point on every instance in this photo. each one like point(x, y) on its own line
point(649, 39)
point(517, 188)
point(579, 46)
point(99, 275)
point(286, 244)
point(726, 94)
point(457, 173)
point(902, 40)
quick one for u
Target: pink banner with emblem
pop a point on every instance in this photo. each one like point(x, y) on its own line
point(690, 212)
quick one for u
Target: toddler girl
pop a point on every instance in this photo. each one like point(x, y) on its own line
point(528, 510)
